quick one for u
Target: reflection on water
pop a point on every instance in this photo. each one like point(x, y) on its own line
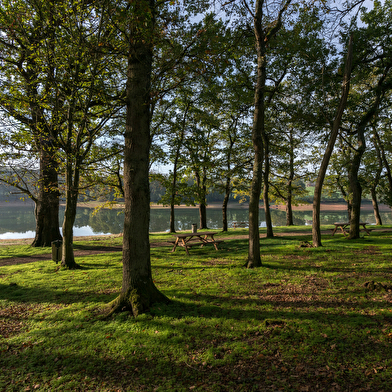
point(19, 222)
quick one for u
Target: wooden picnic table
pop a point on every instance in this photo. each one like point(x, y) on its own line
point(343, 227)
point(190, 239)
point(240, 224)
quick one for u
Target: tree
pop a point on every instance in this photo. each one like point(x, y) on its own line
point(85, 82)
point(138, 32)
point(316, 232)
point(26, 75)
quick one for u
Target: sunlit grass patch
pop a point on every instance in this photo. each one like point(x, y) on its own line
point(305, 318)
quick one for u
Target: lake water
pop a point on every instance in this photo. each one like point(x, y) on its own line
point(19, 222)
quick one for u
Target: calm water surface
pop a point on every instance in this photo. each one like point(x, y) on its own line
point(19, 222)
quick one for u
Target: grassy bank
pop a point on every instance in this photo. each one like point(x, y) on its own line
point(308, 320)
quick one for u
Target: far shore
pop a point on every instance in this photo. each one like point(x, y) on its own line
point(325, 206)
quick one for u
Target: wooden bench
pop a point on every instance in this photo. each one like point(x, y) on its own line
point(192, 239)
point(240, 224)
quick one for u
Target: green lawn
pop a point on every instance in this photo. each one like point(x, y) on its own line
point(308, 320)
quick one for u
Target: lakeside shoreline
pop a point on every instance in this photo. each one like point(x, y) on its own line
point(325, 206)
point(307, 208)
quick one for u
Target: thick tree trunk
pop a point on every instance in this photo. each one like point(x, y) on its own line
point(138, 292)
point(316, 232)
point(203, 215)
point(47, 202)
point(355, 198)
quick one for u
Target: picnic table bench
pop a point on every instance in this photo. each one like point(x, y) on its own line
point(240, 224)
point(191, 239)
point(343, 227)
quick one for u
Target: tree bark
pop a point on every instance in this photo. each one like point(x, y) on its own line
point(173, 194)
point(225, 203)
point(385, 162)
point(71, 202)
point(376, 181)
point(47, 202)
point(254, 258)
point(138, 290)
point(267, 210)
point(263, 34)
point(227, 186)
point(175, 169)
point(376, 210)
point(354, 184)
point(202, 190)
point(316, 232)
point(289, 206)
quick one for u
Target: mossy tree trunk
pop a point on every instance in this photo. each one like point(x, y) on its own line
point(47, 202)
point(138, 290)
point(71, 201)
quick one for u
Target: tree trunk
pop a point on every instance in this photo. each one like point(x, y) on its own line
point(175, 168)
point(355, 199)
point(376, 181)
point(385, 161)
point(355, 186)
point(203, 215)
point(267, 210)
point(263, 34)
point(71, 202)
point(254, 257)
point(227, 186)
point(47, 202)
point(289, 207)
point(225, 203)
point(172, 218)
point(376, 210)
point(202, 190)
point(138, 292)
point(173, 197)
point(349, 209)
point(316, 232)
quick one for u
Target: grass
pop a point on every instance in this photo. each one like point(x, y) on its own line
point(305, 321)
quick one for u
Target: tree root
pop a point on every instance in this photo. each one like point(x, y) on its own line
point(134, 303)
